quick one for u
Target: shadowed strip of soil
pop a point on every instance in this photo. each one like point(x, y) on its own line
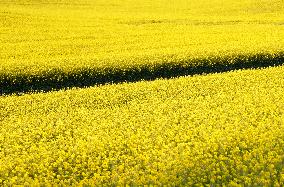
point(58, 79)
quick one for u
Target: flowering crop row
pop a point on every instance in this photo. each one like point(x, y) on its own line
point(217, 129)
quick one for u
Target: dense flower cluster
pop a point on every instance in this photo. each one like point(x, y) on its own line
point(218, 129)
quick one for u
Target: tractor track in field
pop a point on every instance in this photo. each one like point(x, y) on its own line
point(58, 79)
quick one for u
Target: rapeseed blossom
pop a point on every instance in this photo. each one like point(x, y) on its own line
point(218, 129)
point(222, 129)
point(58, 42)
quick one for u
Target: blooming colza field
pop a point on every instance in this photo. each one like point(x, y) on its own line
point(217, 129)
point(59, 43)
point(85, 98)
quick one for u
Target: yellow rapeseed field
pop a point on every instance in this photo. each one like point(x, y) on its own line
point(214, 129)
point(54, 41)
point(218, 129)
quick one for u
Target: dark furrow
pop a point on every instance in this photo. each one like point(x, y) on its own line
point(58, 79)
